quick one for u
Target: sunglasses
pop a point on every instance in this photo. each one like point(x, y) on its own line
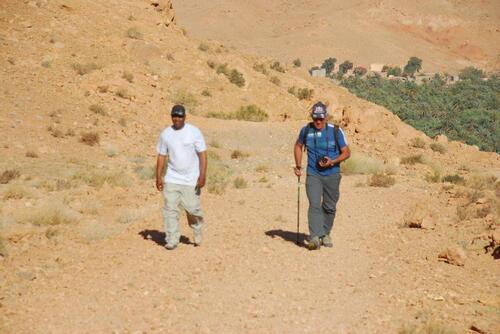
point(177, 116)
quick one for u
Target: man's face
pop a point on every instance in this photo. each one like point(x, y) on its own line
point(319, 123)
point(178, 121)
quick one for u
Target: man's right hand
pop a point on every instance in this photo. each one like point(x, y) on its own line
point(297, 171)
point(159, 184)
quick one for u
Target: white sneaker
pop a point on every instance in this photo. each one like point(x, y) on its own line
point(197, 238)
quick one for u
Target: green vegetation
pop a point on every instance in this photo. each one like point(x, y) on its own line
point(414, 65)
point(467, 110)
point(234, 76)
point(301, 93)
point(245, 113)
point(329, 65)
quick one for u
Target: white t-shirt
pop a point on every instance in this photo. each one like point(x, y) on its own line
point(182, 147)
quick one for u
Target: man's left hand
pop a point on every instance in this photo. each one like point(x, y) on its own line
point(327, 163)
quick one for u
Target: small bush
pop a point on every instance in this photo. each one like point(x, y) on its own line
point(417, 142)
point(14, 192)
point(435, 177)
point(455, 179)
point(145, 172)
point(31, 154)
point(123, 93)
point(251, 113)
point(49, 215)
point(236, 78)
point(128, 76)
point(260, 68)
point(98, 109)
point(217, 177)
point(301, 93)
point(297, 63)
point(185, 98)
point(134, 33)
point(222, 69)
point(261, 169)
point(9, 175)
point(90, 138)
point(263, 179)
point(438, 147)
point(83, 69)
point(412, 159)
point(382, 180)
point(275, 80)
point(240, 183)
point(206, 93)
point(361, 164)
point(237, 154)
point(203, 47)
point(277, 67)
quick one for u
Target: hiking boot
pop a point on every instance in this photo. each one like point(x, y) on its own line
point(313, 243)
point(326, 241)
point(171, 246)
point(197, 238)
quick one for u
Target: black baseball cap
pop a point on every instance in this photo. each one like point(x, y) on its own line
point(319, 111)
point(178, 110)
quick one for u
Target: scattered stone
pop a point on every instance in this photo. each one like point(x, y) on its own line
point(419, 217)
point(453, 255)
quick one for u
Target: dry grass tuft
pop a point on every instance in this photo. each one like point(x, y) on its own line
point(123, 93)
point(412, 159)
point(240, 183)
point(128, 76)
point(96, 178)
point(275, 80)
point(482, 182)
point(381, 180)
point(361, 164)
point(14, 191)
point(83, 69)
point(417, 142)
point(9, 175)
point(49, 215)
point(217, 177)
point(31, 154)
point(186, 99)
point(237, 154)
point(98, 109)
point(134, 33)
point(90, 138)
point(438, 147)
point(111, 151)
point(454, 178)
point(204, 47)
point(261, 169)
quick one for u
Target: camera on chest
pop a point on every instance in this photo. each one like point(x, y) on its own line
point(320, 163)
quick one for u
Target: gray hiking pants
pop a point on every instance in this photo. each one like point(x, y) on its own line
point(323, 194)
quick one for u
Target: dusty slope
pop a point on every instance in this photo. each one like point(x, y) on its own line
point(447, 35)
point(97, 273)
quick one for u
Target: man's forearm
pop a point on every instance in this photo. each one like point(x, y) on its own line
point(203, 163)
point(160, 166)
point(298, 155)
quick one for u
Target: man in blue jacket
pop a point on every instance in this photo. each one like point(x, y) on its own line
point(326, 147)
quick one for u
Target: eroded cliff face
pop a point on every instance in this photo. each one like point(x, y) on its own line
point(166, 8)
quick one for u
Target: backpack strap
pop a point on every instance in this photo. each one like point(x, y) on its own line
point(306, 133)
point(336, 130)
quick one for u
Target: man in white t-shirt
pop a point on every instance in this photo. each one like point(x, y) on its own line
point(185, 148)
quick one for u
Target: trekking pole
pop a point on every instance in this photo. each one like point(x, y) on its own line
point(298, 207)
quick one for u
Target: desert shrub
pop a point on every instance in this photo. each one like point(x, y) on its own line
point(237, 154)
point(236, 78)
point(260, 68)
point(275, 80)
point(277, 67)
point(305, 93)
point(261, 169)
point(111, 151)
point(453, 178)
point(361, 164)
point(49, 215)
point(381, 180)
point(417, 142)
point(203, 47)
point(263, 179)
point(123, 93)
point(217, 177)
point(437, 107)
point(9, 175)
point(128, 76)
point(240, 183)
point(438, 147)
point(83, 69)
point(206, 93)
point(394, 71)
point(31, 154)
point(185, 98)
point(97, 177)
point(471, 73)
point(482, 182)
point(222, 69)
point(145, 172)
point(212, 155)
point(435, 177)
point(134, 33)
point(297, 62)
point(412, 159)
point(98, 109)
point(90, 138)
point(251, 113)
point(14, 191)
